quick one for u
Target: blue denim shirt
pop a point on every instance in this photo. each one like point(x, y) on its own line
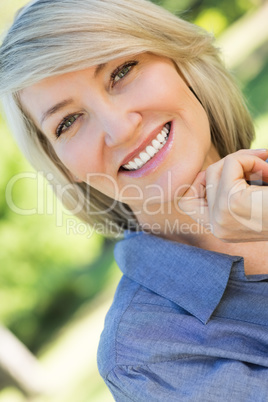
point(186, 324)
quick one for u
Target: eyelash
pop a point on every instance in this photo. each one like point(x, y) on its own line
point(120, 69)
point(113, 80)
point(61, 129)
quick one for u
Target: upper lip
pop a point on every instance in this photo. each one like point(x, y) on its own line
point(143, 145)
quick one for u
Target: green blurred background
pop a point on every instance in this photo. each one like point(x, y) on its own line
point(56, 278)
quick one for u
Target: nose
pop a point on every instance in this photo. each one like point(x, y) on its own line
point(119, 124)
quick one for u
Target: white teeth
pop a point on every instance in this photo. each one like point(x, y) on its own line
point(164, 134)
point(133, 165)
point(138, 162)
point(150, 150)
point(160, 138)
point(144, 157)
point(156, 144)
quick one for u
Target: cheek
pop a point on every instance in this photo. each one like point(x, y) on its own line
point(82, 161)
point(104, 183)
point(160, 85)
point(78, 156)
point(68, 156)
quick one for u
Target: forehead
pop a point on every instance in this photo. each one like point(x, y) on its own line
point(37, 97)
point(57, 81)
point(58, 84)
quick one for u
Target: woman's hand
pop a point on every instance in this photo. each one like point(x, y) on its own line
point(222, 199)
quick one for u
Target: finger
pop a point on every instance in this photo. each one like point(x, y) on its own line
point(237, 168)
point(213, 175)
point(196, 208)
point(261, 153)
point(193, 202)
point(249, 209)
point(197, 188)
point(214, 172)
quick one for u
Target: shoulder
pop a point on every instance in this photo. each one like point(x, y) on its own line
point(132, 324)
point(107, 350)
point(154, 295)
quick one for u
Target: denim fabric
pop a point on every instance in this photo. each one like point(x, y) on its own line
point(186, 324)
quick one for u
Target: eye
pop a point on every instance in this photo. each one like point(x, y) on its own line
point(121, 71)
point(66, 123)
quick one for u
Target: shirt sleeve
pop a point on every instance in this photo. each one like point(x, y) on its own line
point(198, 378)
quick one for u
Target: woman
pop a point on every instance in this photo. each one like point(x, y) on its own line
point(126, 104)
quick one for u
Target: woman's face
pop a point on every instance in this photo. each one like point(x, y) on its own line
point(131, 128)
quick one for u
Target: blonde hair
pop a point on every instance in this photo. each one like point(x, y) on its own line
point(51, 37)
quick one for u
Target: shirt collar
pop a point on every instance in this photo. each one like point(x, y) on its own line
point(193, 278)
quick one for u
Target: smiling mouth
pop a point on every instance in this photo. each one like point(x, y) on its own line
point(150, 151)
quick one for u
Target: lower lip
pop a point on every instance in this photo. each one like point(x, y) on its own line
point(156, 160)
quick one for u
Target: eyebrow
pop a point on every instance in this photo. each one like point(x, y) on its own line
point(54, 109)
point(99, 68)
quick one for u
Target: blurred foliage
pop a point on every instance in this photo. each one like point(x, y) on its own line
point(46, 271)
point(211, 15)
point(256, 91)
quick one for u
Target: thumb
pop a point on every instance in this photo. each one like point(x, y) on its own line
point(194, 202)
